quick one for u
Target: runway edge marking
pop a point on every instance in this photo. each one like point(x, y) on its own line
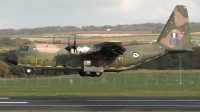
point(142, 100)
point(103, 105)
point(4, 98)
point(12, 102)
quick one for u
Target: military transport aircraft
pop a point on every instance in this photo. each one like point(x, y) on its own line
point(109, 56)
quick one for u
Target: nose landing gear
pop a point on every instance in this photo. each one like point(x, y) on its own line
point(28, 70)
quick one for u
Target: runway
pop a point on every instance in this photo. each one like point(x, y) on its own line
point(100, 104)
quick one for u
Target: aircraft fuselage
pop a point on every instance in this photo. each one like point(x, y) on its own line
point(54, 56)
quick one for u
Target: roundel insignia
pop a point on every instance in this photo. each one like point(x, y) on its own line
point(135, 54)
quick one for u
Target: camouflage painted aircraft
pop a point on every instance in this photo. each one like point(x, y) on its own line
point(109, 56)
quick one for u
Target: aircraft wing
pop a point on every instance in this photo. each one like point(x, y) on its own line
point(110, 46)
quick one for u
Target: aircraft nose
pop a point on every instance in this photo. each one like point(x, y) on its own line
point(12, 58)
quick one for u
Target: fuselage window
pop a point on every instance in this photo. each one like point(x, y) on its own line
point(23, 49)
point(22, 54)
point(26, 48)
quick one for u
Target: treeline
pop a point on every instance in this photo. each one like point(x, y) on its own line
point(154, 27)
point(189, 60)
point(7, 41)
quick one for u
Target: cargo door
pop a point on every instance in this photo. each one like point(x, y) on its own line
point(39, 61)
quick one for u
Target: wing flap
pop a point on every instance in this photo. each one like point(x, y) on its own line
point(115, 49)
point(108, 43)
point(111, 46)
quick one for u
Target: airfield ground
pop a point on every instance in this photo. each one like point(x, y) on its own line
point(139, 83)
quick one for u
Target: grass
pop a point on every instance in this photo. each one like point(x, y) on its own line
point(76, 90)
point(195, 37)
point(150, 83)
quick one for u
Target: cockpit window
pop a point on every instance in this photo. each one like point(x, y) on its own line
point(22, 48)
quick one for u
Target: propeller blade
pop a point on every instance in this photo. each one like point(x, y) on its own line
point(74, 45)
point(68, 48)
point(68, 42)
point(75, 39)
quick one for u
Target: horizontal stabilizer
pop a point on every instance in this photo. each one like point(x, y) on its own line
point(177, 51)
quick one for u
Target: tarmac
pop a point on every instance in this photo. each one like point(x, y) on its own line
point(101, 104)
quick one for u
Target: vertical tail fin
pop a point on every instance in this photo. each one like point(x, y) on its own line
point(176, 35)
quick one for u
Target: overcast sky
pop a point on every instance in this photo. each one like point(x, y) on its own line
point(40, 13)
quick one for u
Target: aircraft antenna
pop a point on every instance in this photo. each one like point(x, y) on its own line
point(152, 21)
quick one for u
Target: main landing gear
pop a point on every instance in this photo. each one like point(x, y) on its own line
point(91, 74)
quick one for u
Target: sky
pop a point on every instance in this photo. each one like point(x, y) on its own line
point(17, 14)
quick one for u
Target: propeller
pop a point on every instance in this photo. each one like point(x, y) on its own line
point(74, 46)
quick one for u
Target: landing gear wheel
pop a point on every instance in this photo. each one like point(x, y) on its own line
point(82, 74)
point(93, 74)
point(98, 74)
point(28, 70)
